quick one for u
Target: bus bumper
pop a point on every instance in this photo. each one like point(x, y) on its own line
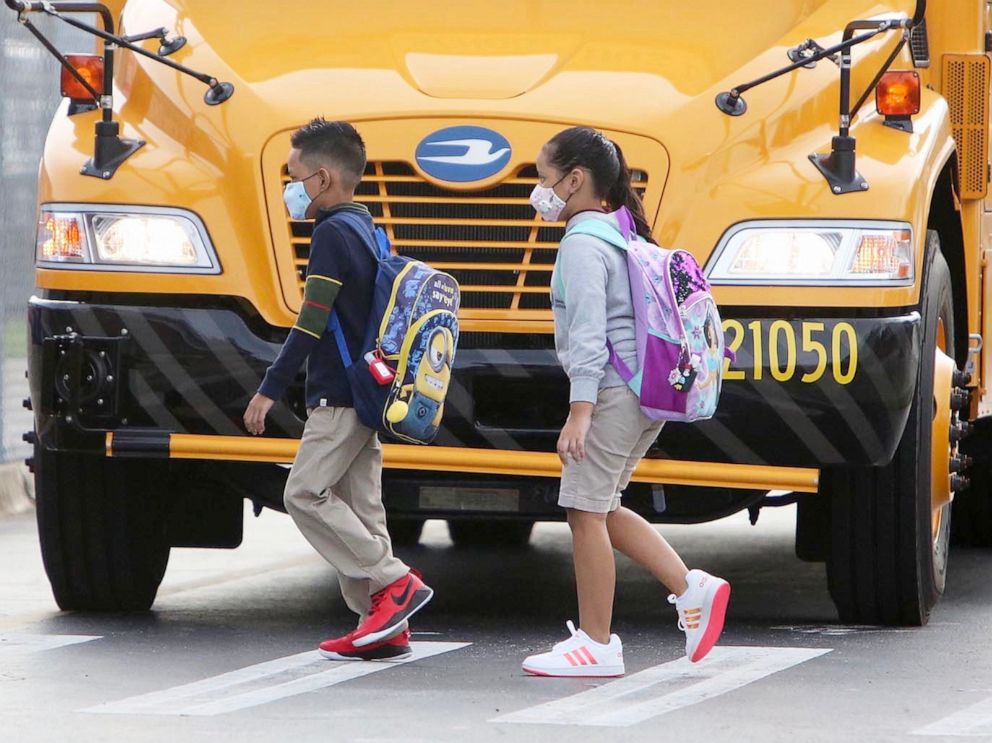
point(803, 394)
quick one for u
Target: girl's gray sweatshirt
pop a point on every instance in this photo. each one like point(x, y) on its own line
point(596, 305)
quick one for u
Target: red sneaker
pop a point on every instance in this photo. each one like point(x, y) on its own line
point(342, 648)
point(392, 606)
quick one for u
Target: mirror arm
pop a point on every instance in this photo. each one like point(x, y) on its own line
point(838, 165)
point(878, 76)
point(61, 58)
point(733, 104)
point(110, 150)
point(218, 92)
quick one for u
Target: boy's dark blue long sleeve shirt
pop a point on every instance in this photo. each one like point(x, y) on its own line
point(340, 276)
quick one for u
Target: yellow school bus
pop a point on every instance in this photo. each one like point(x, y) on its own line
point(826, 161)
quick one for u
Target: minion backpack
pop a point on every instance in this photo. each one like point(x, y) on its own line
point(400, 383)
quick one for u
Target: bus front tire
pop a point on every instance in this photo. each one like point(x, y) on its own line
point(888, 545)
point(102, 527)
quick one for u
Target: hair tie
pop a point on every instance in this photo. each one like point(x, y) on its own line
point(615, 157)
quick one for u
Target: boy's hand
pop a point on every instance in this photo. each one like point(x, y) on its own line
point(572, 441)
point(255, 413)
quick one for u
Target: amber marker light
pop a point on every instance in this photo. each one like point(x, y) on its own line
point(90, 68)
point(61, 237)
point(898, 93)
point(884, 253)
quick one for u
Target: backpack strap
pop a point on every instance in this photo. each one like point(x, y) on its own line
point(334, 325)
point(622, 369)
point(626, 221)
point(377, 242)
point(614, 236)
point(598, 228)
point(610, 234)
point(375, 239)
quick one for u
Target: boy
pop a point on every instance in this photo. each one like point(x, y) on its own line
point(334, 490)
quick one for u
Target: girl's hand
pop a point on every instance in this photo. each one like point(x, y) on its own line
point(572, 441)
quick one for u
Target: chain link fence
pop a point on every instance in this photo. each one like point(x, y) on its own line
point(30, 96)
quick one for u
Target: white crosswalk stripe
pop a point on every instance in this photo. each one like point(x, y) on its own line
point(12, 645)
point(973, 721)
point(665, 688)
point(262, 683)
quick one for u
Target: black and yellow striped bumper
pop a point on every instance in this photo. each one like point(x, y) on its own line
point(803, 392)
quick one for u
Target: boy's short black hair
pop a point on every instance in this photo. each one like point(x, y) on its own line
point(335, 141)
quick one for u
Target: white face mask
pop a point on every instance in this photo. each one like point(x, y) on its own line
point(546, 202)
point(296, 197)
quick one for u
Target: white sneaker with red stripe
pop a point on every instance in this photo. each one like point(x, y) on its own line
point(701, 609)
point(579, 655)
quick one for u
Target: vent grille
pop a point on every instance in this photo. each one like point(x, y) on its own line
point(491, 241)
point(919, 45)
point(966, 80)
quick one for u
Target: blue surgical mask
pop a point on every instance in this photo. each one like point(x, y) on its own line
point(296, 197)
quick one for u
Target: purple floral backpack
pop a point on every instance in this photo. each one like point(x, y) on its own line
point(680, 349)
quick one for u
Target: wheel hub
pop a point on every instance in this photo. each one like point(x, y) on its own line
point(943, 449)
point(946, 464)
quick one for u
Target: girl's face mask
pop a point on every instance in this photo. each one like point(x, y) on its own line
point(546, 202)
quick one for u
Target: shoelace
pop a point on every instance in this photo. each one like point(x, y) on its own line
point(672, 598)
point(377, 599)
point(572, 633)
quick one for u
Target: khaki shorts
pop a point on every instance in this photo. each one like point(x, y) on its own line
point(618, 439)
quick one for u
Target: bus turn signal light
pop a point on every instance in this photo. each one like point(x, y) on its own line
point(885, 253)
point(90, 68)
point(898, 94)
point(61, 237)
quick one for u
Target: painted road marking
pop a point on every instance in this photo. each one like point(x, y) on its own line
point(973, 721)
point(262, 683)
point(635, 698)
point(12, 645)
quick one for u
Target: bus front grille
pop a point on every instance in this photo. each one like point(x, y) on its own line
point(491, 241)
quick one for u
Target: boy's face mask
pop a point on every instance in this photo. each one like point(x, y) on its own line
point(296, 197)
point(546, 202)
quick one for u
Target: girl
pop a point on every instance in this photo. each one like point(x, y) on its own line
point(606, 434)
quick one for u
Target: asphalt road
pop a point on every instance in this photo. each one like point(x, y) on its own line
point(227, 653)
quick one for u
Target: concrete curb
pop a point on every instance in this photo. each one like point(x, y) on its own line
point(16, 490)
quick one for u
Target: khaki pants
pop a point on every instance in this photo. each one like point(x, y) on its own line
point(334, 494)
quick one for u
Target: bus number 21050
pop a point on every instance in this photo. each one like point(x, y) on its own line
point(783, 349)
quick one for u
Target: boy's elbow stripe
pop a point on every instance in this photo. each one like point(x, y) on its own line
point(320, 292)
point(313, 318)
point(308, 332)
point(318, 277)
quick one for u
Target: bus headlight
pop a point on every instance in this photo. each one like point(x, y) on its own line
point(124, 238)
point(815, 253)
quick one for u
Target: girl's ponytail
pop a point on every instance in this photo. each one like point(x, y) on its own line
point(622, 193)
